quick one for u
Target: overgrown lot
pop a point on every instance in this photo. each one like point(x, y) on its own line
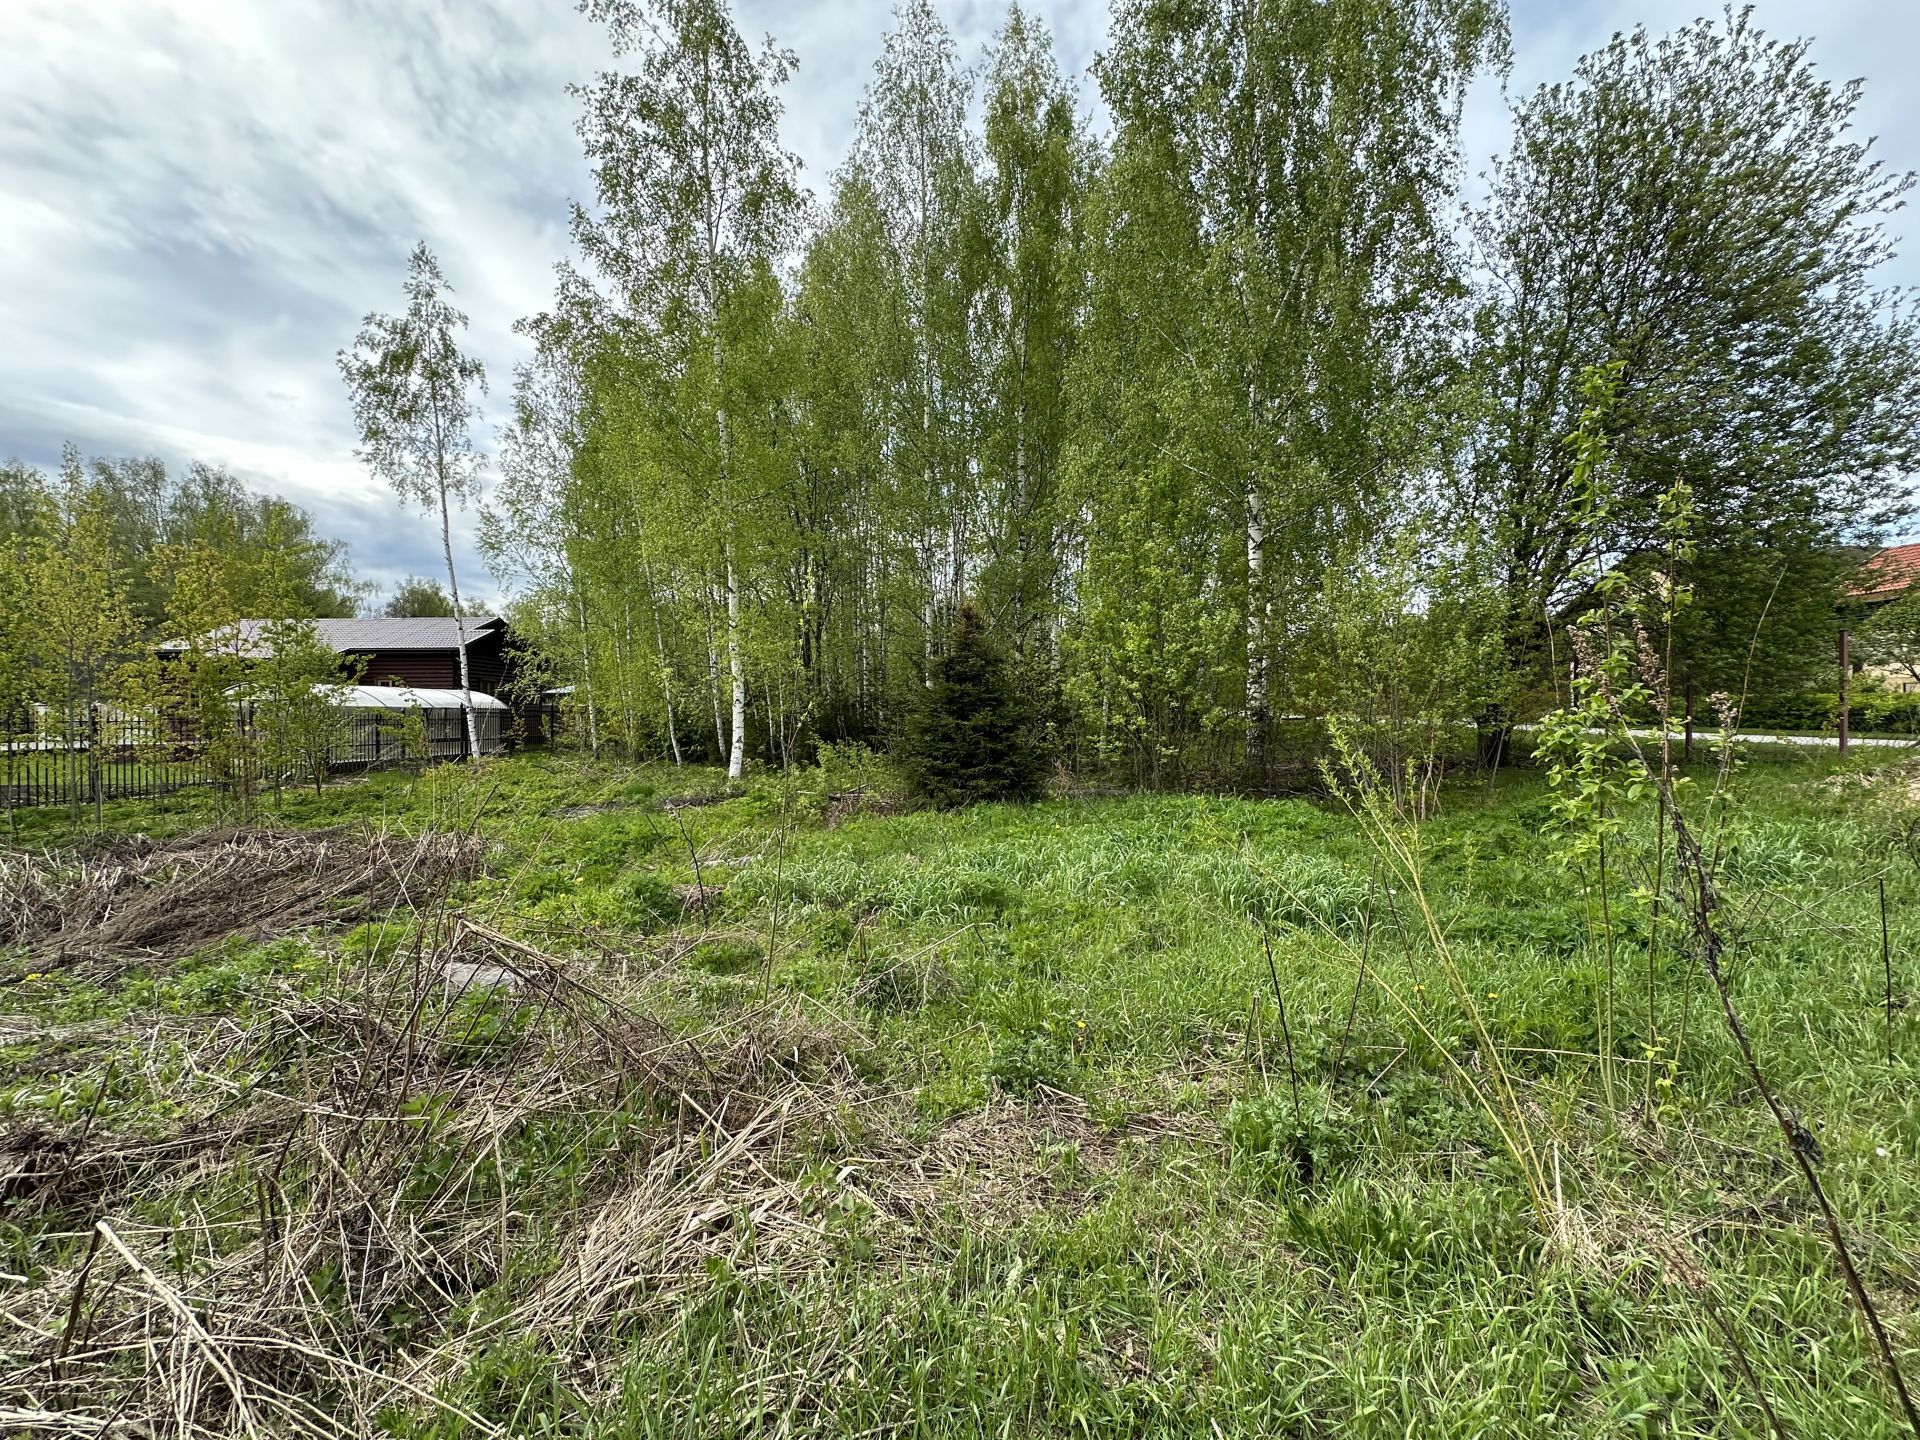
point(564, 1100)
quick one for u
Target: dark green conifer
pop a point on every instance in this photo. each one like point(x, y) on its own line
point(973, 735)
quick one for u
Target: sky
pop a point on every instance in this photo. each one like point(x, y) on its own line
point(200, 199)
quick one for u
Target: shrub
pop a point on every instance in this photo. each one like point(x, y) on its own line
point(1891, 712)
point(973, 735)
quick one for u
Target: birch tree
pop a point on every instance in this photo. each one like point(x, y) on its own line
point(914, 153)
point(1307, 150)
point(532, 531)
point(413, 392)
point(1038, 168)
point(695, 197)
point(81, 626)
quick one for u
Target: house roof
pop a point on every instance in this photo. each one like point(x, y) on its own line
point(1892, 572)
point(432, 632)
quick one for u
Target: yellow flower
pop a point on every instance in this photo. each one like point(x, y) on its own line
point(1493, 994)
point(1081, 1023)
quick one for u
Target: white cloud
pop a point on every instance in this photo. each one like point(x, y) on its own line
point(200, 198)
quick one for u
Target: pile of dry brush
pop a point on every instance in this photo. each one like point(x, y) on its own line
point(472, 1142)
point(129, 894)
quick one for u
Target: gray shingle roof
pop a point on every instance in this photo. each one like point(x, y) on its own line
point(422, 633)
point(426, 633)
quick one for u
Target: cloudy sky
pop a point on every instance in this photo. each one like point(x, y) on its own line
point(200, 198)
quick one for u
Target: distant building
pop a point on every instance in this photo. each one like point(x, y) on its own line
point(422, 652)
point(1887, 576)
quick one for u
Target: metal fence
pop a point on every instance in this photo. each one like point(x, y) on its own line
point(46, 761)
point(105, 755)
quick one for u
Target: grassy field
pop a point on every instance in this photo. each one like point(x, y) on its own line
point(666, 1110)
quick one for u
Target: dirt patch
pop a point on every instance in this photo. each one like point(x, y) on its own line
point(697, 898)
point(170, 897)
point(699, 801)
point(850, 804)
point(1012, 1160)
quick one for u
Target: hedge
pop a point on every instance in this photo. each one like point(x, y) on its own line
point(1887, 712)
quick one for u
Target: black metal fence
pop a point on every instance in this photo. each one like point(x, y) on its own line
point(106, 755)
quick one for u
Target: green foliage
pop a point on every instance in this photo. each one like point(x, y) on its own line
point(1869, 712)
point(418, 596)
point(1023, 1064)
point(1606, 240)
point(412, 393)
point(974, 736)
point(156, 518)
point(1890, 635)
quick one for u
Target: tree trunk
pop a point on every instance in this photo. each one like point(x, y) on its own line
point(713, 682)
point(666, 686)
point(1493, 732)
point(666, 669)
point(460, 626)
point(586, 672)
point(737, 673)
point(1256, 623)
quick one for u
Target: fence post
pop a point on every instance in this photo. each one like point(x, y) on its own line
point(466, 722)
point(93, 759)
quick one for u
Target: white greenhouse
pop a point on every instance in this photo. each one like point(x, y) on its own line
point(380, 711)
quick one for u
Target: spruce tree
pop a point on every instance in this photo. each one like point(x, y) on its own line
point(973, 736)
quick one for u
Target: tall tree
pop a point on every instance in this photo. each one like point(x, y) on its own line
point(1270, 296)
point(697, 198)
point(81, 628)
point(1039, 164)
point(417, 597)
point(533, 532)
point(156, 515)
point(913, 152)
point(1697, 211)
point(413, 404)
point(860, 572)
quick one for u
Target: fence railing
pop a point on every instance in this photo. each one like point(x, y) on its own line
point(103, 755)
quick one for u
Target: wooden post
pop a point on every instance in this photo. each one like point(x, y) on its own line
point(1846, 670)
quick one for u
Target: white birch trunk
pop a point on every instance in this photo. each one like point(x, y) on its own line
point(586, 672)
point(1256, 615)
point(460, 626)
point(737, 673)
point(713, 681)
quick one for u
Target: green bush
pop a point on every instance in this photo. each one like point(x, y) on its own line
point(1804, 710)
point(1889, 712)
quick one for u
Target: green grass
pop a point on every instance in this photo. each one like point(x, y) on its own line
point(1063, 1189)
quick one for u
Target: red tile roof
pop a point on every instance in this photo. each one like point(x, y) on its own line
point(1892, 572)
